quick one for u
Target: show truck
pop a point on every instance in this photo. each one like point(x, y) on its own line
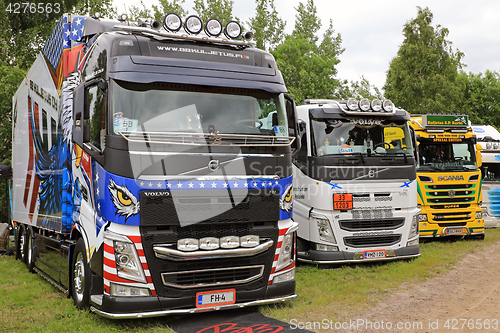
point(449, 179)
point(143, 183)
point(354, 188)
point(489, 139)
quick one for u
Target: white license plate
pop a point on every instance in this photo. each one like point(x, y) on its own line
point(219, 297)
point(458, 231)
point(374, 254)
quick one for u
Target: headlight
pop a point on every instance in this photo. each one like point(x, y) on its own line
point(488, 145)
point(325, 231)
point(128, 264)
point(422, 217)
point(286, 256)
point(479, 215)
point(414, 226)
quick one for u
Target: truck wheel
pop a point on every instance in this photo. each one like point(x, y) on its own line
point(30, 250)
point(81, 277)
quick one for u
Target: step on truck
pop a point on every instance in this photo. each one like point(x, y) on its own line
point(449, 179)
point(489, 139)
point(143, 183)
point(354, 183)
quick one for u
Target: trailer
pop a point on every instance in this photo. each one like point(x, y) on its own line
point(489, 139)
point(354, 187)
point(143, 182)
point(449, 179)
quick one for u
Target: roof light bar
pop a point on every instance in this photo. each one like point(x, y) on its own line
point(193, 25)
point(353, 106)
point(213, 27)
point(172, 22)
point(232, 30)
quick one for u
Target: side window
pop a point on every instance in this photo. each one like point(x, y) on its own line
point(96, 102)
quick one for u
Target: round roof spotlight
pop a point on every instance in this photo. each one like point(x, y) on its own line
point(388, 106)
point(232, 30)
point(213, 27)
point(364, 104)
point(193, 25)
point(172, 22)
point(352, 104)
point(376, 105)
point(123, 17)
point(96, 15)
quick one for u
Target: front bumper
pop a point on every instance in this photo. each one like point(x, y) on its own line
point(126, 307)
point(429, 230)
point(341, 257)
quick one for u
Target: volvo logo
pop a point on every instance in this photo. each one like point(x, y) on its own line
point(157, 194)
point(451, 193)
point(213, 165)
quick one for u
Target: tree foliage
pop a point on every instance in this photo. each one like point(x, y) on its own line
point(219, 9)
point(308, 68)
point(268, 27)
point(481, 97)
point(167, 7)
point(422, 77)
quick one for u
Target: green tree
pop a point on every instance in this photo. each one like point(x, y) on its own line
point(135, 12)
point(219, 9)
point(268, 27)
point(167, 7)
point(308, 68)
point(481, 97)
point(363, 89)
point(422, 77)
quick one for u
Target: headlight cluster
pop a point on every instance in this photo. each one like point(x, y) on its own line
point(128, 264)
point(365, 105)
point(414, 226)
point(213, 243)
point(324, 228)
point(492, 145)
point(194, 25)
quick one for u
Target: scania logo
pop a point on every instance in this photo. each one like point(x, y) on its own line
point(157, 194)
point(451, 206)
point(446, 178)
point(213, 165)
point(451, 193)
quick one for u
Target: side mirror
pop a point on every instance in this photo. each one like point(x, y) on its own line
point(5, 171)
point(293, 124)
point(415, 144)
point(479, 157)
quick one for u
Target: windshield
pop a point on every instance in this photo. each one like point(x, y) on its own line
point(166, 107)
point(345, 137)
point(446, 156)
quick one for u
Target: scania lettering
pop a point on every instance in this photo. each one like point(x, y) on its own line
point(489, 139)
point(354, 183)
point(449, 180)
point(144, 184)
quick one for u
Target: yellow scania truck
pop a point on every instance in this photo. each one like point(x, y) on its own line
point(449, 179)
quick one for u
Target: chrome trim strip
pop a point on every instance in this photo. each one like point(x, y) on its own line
point(216, 284)
point(356, 261)
point(218, 140)
point(207, 178)
point(190, 311)
point(162, 251)
point(156, 153)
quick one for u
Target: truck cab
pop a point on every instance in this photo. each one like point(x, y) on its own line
point(449, 178)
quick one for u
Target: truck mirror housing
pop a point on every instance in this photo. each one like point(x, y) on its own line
point(293, 124)
point(479, 157)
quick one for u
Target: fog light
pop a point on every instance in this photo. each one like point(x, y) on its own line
point(412, 243)
point(326, 248)
point(288, 276)
point(424, 225)
point(120, 290)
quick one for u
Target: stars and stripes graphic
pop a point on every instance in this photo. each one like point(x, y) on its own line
point(77, 28)
point(53, 49)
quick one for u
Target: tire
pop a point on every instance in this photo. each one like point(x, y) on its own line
point(30, 256)
point(80, 273)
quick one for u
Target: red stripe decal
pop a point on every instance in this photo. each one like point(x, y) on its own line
point(29, 172)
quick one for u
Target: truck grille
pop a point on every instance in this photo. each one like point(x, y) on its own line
point(212, 277)
point(217, 206)
point(376, 224)
point(176, 278)
point(372, 241)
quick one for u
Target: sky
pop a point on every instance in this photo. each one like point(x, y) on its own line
point(371, 31)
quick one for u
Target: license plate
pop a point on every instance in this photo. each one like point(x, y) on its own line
point(457, 231)
point(374, 254)
point(219, 297)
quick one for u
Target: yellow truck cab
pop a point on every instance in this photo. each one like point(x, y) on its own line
point(449, 179)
